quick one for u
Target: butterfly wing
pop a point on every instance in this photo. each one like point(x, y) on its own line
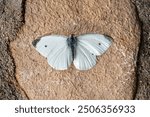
point(88, 47)
point(84, 59)
point(56, 50)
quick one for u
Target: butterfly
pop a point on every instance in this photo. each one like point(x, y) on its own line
point(82, 50)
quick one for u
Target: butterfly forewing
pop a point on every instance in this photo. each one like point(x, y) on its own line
point(95, 43)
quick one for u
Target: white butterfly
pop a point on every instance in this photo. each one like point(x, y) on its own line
point(82, 50)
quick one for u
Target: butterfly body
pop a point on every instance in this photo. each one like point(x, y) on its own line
point(82, 50)
point(72, 43)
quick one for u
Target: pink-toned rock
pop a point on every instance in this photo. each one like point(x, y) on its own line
point(113, 77)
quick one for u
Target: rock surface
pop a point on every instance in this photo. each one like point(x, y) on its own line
point(10, 20)
point(113, 77)
point(143, 64)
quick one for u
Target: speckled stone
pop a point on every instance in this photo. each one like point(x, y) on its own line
point(11, 18)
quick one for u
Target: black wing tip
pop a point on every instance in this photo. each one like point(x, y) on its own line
point(108, 37)
point(35, 42)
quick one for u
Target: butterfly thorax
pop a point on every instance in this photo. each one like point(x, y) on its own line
point(72, 43)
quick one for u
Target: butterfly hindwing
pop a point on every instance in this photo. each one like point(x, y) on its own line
point(60, 59)
point(56, 50)
point(84, 59)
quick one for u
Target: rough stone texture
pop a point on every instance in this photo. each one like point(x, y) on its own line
point(113, 77)
point(143, 64)
point(10, 21)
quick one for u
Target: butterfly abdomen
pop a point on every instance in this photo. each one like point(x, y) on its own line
point(72, 43)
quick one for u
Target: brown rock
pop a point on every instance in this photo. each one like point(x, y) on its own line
point(113, 77)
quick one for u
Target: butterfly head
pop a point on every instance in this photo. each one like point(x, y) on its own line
point(72, 36)
point(72, 40)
